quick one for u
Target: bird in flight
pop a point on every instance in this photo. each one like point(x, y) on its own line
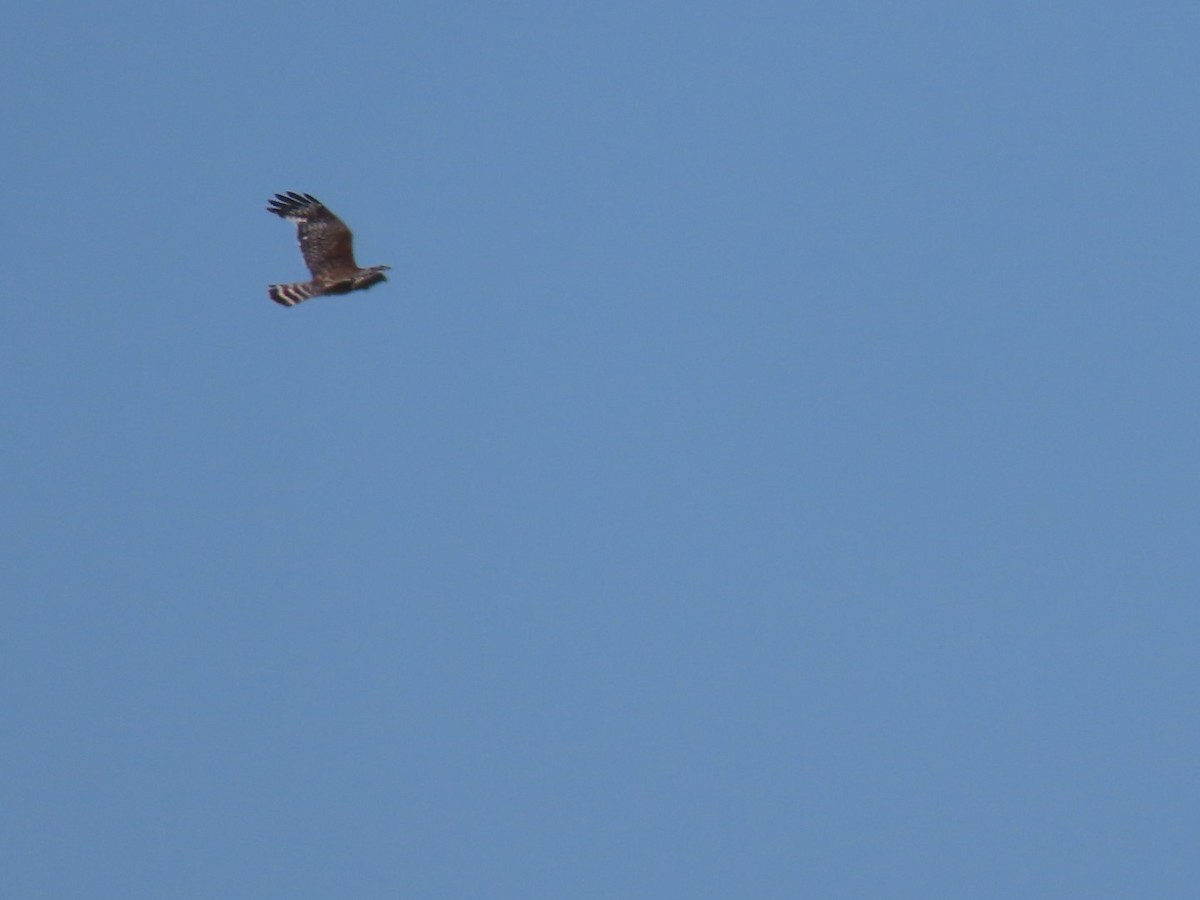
point(328, 250)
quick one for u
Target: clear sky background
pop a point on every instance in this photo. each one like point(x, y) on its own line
point(770, 471)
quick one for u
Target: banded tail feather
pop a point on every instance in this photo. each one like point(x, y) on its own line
point(291, 294)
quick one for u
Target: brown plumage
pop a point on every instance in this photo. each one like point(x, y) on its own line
point(328, 249)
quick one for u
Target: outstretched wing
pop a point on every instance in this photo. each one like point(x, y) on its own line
point(325, 241)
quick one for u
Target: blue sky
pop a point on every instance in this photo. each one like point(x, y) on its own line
point(769, 471)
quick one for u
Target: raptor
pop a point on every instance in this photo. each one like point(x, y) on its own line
point(328, 250)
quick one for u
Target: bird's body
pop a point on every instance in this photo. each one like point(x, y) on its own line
point(328, 250)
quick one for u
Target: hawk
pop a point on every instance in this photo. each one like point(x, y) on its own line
point(327, 246)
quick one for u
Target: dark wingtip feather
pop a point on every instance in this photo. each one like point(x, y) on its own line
point(285, 204)
point(288, 203)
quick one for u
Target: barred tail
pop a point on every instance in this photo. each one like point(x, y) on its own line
point(291, 294)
